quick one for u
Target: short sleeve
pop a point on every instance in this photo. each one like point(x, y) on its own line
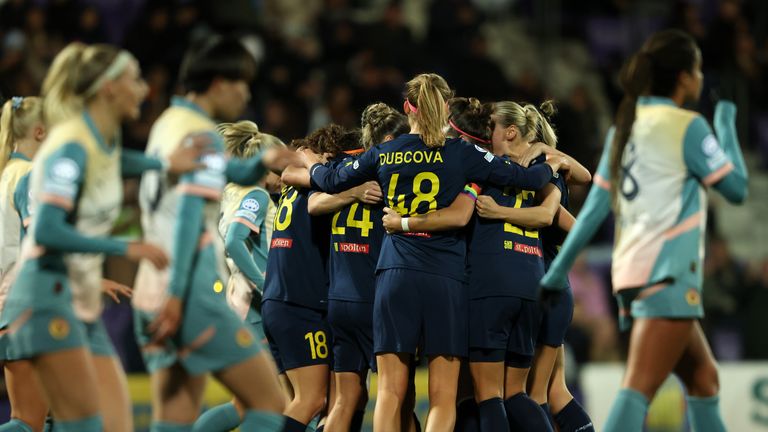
point(602, 177)
point(209, 181)
point(63, 175)
point(703, 155)
point(252, 210)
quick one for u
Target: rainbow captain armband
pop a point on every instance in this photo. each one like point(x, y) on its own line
point(472, 190)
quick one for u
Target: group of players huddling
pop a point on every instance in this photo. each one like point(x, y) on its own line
point(424, 236)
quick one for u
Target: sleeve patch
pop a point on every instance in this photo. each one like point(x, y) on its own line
point(715, 155)
point(62, 178)
point(250, 204)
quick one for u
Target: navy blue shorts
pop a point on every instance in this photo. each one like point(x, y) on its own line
point(503, 329)
point(298, 336)
point(556, 317)
point(412, 306)
point(352, 327)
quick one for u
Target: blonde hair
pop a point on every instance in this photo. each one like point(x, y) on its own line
point(531, 121)
point(70, 79)
point(378, 121)
point(18, 115)
point(243, 139)
point(428, 93)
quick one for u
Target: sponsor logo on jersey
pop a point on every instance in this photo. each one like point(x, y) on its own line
point(418, 156)
point(692, 297)
point(284, 243)
point(356, 165)
point(527, 249)
point(58, 328)
point(352, 248)
point(244, 338)
point(251, 204)
point(218, 287)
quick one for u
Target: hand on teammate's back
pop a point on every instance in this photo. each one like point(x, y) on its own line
point(487, 207)
point(392, 221)
point(138, 251)
point(309, 157)
point(369, 193)
point(558, 163)
point(535, 150)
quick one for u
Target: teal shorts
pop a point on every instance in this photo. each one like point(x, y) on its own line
point(666, 300)
point(211, 336)
point(254, 319)
point(39, 314)
point(98, 340)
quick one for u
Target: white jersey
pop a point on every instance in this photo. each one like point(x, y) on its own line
point(10, 233)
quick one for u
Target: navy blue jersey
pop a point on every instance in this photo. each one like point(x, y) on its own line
point(552, 237)
point(417, 180)
point(357, 232)
point(505, 259)
point(298, 253)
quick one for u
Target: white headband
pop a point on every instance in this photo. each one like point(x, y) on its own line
point(114, 70)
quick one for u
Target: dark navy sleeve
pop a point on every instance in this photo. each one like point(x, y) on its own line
point(481, 166)
point(344, 176)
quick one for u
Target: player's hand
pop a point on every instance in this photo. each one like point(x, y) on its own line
point(488, 208)
point(167, 322)
point(138, 251)
point(535, 150)
point(369, 193)
point(114, 290)
point(558, 163)
point(276, 159)
point(392, 221)
point(185, 158)
point(309, 157)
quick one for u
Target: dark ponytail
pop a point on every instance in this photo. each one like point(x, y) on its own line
point(654, 70)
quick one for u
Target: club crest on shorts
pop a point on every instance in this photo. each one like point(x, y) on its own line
point(218, 287)
point(244, 338)
point(692, 297)
point(58, 328)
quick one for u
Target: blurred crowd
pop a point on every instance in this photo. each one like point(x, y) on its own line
point(323, 61)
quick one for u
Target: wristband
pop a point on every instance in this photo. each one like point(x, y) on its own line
point(404, 224)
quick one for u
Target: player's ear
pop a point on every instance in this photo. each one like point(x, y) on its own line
point(511, 133)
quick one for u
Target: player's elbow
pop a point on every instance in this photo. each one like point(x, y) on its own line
point(739, 196)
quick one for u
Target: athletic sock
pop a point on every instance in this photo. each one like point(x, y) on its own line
point(548, 413)
point(628, 412)
point(524, 414)
point(15, 425)
point(160, 426)
point(493, 417)
point(704, 414)
point(467, 416)
point(262, 421)
point(221, 418)
point(357, 421)
point(90, 424)
point(293, 425)
point(573, 418)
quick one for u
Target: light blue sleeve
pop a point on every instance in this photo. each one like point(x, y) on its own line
point(22, 204)
point(596, 208)
point(248, 218)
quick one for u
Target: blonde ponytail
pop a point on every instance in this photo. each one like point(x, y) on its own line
point(528, 119)
point(243, 139)
point(429, 93)
point(18, 115)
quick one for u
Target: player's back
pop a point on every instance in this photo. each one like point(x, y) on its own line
point(159, 196)
point(10, 233)
point(417, 179)
point(661, 205)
